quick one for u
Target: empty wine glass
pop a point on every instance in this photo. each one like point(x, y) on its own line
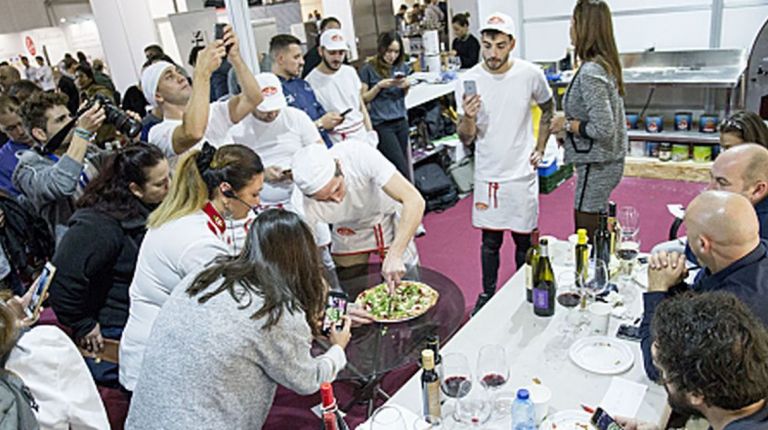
point(389, 418)
point(627, 250)
point(597, 278)
point(629, 220)
point(493, 372)
point(457, 379)
point(474, 408)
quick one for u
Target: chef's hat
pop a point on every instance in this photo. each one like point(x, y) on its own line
point(150, 78)
point(313, 167)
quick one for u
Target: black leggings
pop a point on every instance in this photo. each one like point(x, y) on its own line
point(393, 143)
point(489, 255)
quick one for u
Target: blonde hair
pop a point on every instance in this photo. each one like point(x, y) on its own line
point(8, 325)
point(594, 37)
point(199, 173)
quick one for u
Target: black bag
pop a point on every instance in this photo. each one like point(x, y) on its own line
point(435, 186)
point(25, 238)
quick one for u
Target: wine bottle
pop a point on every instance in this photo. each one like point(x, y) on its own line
point(430, 385)
point(612, 225)
point(433, 343)
point(602, 242)
point(581, 255)
point(531, 258)
point(332, 419)
point(545, 290)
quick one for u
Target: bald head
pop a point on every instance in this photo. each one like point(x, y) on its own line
point(742, 169)
point(721, 225)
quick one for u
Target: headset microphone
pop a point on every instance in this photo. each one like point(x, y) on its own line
point(231, 194)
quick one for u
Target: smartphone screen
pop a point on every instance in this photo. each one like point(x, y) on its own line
point(40, 287)
point(335, 309)
point(470, 88)
point(399, 75)
point(343, 114)
point(218, 31)
point(629, 332)
point(603, 421)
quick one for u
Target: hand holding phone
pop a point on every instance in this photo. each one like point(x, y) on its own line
point(470, 89)
point(219, 33)
point(399, 75)
point(39, 290)
point(335, 310)
point(603, 421)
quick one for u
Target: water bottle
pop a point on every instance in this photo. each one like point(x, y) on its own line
point(523, 414)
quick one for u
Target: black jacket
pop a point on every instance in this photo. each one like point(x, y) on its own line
point(94, 263)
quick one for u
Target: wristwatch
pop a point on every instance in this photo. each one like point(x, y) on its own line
point(568, 126)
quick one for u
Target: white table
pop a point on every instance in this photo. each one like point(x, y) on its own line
point(508, 320)
point(424, 92)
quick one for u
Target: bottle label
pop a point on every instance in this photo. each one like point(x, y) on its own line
point(540, 298)
point(432, 399)
point(528, 276)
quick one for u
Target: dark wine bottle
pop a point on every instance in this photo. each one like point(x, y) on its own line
point(612, 226)
point(430, 385)
point(602, 242)
point(531, 258)
point(433, 343)
point(332, 419)
point(545, 290)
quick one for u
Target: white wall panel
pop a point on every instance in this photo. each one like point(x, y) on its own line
point(545, 41)
point(548, 8)
point(670, 31)
point(740, 26)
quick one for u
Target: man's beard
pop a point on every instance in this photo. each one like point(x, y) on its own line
point(501, 63)
point(678, 403)
point(328, 65)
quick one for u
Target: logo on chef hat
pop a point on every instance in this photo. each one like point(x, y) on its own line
point(501, 23)
point(496, 20)
point(271, 91)
point(345, 231)
point(333, 40)
point(268, 91)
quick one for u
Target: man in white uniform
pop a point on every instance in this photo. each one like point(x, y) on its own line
point(338, 88)
point(497, 120)
point(188, 116)
point(372, 207)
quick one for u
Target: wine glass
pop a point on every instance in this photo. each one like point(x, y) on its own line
point(493, 372)
point(457, 378)
point(569, 296)
point(389, 418)
point(474, 408)
point(627, 250)
point(597, 277)
point(629, 220)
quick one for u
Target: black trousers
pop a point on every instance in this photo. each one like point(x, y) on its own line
point(489, 255)
point(393, 143)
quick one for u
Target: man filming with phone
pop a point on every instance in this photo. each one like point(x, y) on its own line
point(495, 112)
point(188, 116)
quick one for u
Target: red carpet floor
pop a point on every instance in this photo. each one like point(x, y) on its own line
point(452, 247)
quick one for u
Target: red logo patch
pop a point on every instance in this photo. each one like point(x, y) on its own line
point(495, 20)
point(345, 231)
point(481, 206)
point(268, 91)
point(30, 45)
point(337, 38)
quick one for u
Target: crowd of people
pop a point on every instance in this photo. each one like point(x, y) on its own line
point(193, 262)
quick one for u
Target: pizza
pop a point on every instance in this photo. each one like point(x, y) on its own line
point(411, 299)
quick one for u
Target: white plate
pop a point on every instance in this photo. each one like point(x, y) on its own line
point(567, 420)
point(602, 355)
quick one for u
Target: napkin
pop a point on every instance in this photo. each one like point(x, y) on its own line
point(408, 416)
point(623, 397)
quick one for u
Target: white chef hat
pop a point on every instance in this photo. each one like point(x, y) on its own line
point(272, 90)
point(500, 22)
point(313, 167)
point(150, 77)
point(333, 40)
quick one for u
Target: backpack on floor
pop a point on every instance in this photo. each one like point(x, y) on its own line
point(435, 186)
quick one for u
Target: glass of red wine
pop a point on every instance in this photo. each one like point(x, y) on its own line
point(457, 377)
point(493, 373)
point(569, 296)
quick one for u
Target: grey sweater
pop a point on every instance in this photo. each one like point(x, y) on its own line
point(593, 99)
point(210, 366)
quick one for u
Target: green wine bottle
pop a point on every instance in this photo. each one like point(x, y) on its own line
point(545, 290)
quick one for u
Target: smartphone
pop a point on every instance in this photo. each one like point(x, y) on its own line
point(629, 332)
point(335, 309)
point(470, 88)
point(218, 32)
point(40, 288)
point(603, 421)
point(399, 75)
point(343, 114)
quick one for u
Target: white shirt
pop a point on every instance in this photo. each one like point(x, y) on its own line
point(276, 142)
point(366, 172)
point(219, 122)
point(167, 254)
point(55, 372)
point(45, 78)
point(504, 125)
point(337, 93)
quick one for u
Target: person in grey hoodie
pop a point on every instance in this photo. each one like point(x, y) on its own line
point(229, 335)
point(594, 125)
point(52, 175)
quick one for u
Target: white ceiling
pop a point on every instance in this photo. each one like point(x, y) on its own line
point(21, 15)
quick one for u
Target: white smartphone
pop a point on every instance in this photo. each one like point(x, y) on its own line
point(40, 288)
point(470, 88)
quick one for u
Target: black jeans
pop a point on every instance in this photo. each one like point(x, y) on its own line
point(393, 143)
point(489, 255)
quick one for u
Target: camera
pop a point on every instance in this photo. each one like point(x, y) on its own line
point(115, 116)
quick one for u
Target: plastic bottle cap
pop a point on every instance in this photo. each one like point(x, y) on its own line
point(582, 234)
point(326, 394)
point(523, 394)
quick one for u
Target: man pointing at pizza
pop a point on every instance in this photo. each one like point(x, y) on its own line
point(371, 207)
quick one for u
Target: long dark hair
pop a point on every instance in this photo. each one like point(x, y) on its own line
point(385, 39)
point(748, 126)
point(279, 264)
point(110, 191)
point(594, 37)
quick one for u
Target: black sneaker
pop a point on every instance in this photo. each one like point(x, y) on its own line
point(482, 299)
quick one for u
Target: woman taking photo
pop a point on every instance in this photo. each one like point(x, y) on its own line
point(213, 191)
point(594, 123)
point(228, 336)
point(465, 45)
point(97, 255)
point(384, 89)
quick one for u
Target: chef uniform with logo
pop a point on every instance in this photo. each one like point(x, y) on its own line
point(369, 215)
point(506, 187)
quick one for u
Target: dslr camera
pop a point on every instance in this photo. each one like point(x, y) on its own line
point(115, 116)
